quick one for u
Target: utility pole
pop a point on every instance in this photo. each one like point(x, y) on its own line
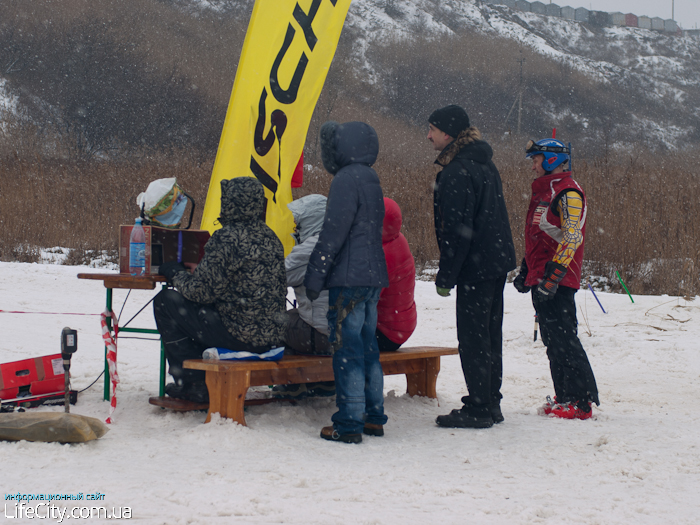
point(673, 10)
point(520, 94)
point(519, 97)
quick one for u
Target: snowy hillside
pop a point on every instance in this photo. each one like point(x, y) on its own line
point(658, 71)
point(601, 86)
point(660, 67)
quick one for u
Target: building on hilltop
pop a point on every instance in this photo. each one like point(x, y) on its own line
point(553, 10)
point(594, 18)
point(617, 18)
point(568, 12)
point(644, 22)
point(537, 8)
point(599, 18)
point(582, 15)
point(522, 5)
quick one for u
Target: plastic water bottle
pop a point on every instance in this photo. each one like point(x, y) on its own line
point(137, 249)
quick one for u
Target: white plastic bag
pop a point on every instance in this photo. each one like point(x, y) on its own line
point(163, 202)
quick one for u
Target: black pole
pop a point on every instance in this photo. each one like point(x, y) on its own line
point(69, 344)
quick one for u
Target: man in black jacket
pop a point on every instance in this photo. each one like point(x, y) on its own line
point(476, 253)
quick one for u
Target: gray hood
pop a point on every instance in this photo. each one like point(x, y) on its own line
point(308, 213)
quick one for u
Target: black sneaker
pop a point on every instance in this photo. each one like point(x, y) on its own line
point(196, 392)
point(469, 416)
point(495, 409)
point(175, 390)
point(331, 434)
point(294, 391)
point(322, 389)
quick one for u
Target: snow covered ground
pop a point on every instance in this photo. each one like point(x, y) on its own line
point(637, 461)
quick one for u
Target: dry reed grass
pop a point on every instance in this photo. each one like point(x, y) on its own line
point(641, 220)
point(80, 204)
point(642, 210)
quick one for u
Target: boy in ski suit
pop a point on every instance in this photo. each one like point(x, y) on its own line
point(555, 231)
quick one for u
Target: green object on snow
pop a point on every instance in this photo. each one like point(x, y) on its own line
point(624, 285)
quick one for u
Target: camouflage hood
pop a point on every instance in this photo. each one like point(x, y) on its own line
point(242, 200)
point(242, 272)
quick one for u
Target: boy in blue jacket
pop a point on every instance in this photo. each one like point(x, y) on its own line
point(348, 260)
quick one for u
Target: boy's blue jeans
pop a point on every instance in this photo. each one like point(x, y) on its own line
point(359, 381)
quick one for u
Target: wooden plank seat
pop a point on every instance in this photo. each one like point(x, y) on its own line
point(228, 381)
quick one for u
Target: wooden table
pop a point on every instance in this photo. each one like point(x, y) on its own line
point(130, 282)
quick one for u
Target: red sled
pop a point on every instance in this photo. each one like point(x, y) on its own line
point(32, 377)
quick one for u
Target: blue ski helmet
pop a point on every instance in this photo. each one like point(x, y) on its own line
point(554, 151)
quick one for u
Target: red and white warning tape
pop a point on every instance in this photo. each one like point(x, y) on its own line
point(111, 344)
point(42, 313)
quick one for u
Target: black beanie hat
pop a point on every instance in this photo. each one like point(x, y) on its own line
point(451, 119)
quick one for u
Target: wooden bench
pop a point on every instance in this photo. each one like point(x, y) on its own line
point(228, 381)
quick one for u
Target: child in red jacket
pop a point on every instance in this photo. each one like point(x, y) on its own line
point(396, 310)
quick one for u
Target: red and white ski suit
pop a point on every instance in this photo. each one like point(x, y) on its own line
point(543, 228)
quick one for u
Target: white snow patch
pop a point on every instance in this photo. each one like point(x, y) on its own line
point(637, 461)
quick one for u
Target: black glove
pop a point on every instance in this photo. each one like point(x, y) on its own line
point(519, 281)
point(553, 274)
point(312, 294)
point(169, 269)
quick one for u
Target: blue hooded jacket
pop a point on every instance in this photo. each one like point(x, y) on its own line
point(349, 249)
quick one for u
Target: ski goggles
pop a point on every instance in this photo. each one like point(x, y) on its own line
point(532, 148)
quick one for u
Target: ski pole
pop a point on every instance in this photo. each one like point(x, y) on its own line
point(535, 339)
point(624, 285)
point(596, 298)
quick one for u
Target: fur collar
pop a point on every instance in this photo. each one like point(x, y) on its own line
point(467, 136)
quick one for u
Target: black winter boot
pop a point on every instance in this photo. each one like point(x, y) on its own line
point(469, 416)
point(176, 390)
point(494, 408)
point(196, 392)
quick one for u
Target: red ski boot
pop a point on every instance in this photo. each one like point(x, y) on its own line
point(546, 409)
point(577, 410)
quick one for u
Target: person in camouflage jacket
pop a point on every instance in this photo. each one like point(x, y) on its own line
point(234, 299)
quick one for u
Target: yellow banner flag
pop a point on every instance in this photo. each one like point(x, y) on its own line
point(287, 51)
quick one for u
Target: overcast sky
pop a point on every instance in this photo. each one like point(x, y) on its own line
point(687, 12)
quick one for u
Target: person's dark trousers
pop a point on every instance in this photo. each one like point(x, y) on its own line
point(571, 371)
point(480, 334)
point(187, 329)
point(303, 339)
point(385, 344)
